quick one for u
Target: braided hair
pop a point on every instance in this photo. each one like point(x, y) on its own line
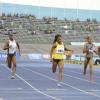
point(56, 37)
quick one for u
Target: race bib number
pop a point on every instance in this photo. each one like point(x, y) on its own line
point(60, 51)
point(12, 50)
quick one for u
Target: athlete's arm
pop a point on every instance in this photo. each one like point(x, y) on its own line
point(52, 48)
point(6, 46)
point(65, 48)
point(18, 47)
point(85, 50)
point(94, 49)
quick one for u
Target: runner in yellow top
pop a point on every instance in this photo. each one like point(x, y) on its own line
point(57, 56)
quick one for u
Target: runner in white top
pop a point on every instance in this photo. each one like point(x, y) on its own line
point(11, 47)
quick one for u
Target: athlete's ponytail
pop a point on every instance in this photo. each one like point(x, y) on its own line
point(56, 37)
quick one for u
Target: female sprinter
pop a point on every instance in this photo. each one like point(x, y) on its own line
point(88, 49)
point(57, 56)
point(10, 46)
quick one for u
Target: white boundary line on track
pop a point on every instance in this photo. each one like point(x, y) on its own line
point(81, 79)
point(95, 90)
point(81, 73)
point(89, 93)
point(10, 89)
point(24, 98)
point(37, 90)
point(1, 98)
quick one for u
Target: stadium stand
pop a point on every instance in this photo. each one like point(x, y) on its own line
point(39, 33)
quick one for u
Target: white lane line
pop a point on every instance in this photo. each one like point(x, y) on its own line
point(25, 98)
point(56, 89)
point(22, 92)
point(34, 92)
point(81, 74)
point(89, 93)
point(80, 79)
point(37, 90)
point(95, 90)
point(1, 98)
point(10, 89)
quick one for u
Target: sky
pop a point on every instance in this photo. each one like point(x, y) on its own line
point(80, 4)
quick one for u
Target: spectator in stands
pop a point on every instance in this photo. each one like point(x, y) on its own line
point(88, 49)
point(11, 46)
point(57, 56)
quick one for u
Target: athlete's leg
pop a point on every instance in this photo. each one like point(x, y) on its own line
point(14, 66)
point(60, 66)
point(54, 65)
point(85, 66)
point(91, 66)
point(9, 59)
